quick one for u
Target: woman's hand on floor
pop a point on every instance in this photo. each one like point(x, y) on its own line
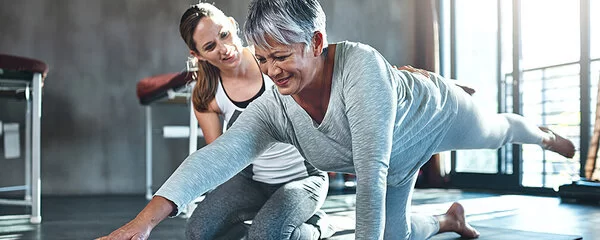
point(133, 230)
point(140, 227)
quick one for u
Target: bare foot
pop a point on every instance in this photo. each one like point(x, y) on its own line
point(558, 144)
point(454, 221)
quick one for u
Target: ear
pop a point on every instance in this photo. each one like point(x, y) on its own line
point(196, 55)
point(317, 43)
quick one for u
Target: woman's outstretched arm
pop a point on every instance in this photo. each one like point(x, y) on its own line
point(203, 170)
point(140, 227)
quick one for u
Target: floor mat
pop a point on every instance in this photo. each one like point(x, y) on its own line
point(488, 233)
point(341, 211)
point(476, 209)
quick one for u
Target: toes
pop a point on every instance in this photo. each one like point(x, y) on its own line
point(469, 232)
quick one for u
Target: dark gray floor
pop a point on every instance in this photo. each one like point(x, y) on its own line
point(91, 217)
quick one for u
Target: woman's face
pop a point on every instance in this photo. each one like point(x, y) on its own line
point(289, 66)
point(217, 42)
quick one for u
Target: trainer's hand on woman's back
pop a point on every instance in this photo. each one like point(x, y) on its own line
point(413, 70)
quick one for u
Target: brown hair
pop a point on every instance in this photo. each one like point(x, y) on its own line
point(207, 75)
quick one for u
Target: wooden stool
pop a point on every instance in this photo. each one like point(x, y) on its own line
point(592, 165)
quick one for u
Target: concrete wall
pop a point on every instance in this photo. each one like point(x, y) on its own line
point(92, 125)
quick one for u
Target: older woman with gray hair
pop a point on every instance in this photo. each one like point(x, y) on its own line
point(346, 109)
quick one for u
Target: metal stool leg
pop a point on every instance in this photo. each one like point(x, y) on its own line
point(193, 130)
point(148, 152)
point(36, 216)
point(28, 118)
point(193, 146)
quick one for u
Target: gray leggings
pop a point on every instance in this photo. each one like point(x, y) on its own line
point(472, 129)
point(277, 211)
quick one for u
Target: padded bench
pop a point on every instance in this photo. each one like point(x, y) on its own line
point(164, 86)
point(170, 88)
point(23, 78)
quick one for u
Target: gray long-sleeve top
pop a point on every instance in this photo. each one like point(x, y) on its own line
point(381, 124)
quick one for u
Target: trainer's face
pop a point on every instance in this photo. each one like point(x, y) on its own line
point(217, 42)
point(289, 66)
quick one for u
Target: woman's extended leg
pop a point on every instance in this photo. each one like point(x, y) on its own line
point(476, 129)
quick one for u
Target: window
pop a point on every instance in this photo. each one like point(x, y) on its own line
point(550, 80)
point(595, 30)
point(476, 61)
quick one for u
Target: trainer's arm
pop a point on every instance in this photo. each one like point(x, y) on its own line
point(217, 162)
point(204, 170)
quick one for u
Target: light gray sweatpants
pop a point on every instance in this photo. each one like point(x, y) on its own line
point(472, 129)
point(278, 211)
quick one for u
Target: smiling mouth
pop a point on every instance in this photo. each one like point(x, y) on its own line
point(228, 57)
point(282, 81)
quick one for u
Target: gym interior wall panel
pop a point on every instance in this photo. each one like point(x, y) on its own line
point(92, 125)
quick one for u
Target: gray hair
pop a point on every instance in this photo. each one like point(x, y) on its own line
point(285, 21)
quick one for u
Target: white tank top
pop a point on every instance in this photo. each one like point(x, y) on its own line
point(278, 164)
